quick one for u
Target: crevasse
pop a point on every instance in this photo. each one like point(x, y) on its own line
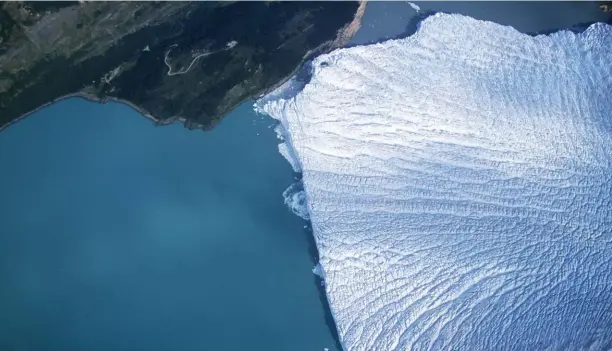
point(459, 185)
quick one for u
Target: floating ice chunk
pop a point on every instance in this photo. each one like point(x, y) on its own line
point(459, 186)
point(415, 7)
point(295, 199)
point(318, 270)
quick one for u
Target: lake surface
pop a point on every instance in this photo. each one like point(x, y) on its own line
point(118, 235)
point(388, 19)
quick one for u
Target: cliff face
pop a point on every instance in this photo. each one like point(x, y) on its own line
point(193, 61)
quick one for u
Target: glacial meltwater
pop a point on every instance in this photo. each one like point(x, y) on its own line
point(119, 235)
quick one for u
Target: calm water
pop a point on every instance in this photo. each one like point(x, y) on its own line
point(384, 20)
point(117, 235)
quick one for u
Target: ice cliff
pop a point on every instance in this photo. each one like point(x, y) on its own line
point(459, 184)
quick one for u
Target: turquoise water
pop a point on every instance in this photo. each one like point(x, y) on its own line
point(118, 235)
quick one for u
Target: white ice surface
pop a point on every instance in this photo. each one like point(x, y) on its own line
point(415, 7)
point(459, 186)
point(286, 150)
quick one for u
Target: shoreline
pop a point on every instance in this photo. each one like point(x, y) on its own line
point(342, 39)
point(88, 97)
point(93, 98)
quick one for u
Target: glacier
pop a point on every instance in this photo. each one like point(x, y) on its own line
point(459, 185)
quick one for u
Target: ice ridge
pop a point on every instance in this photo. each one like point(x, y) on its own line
point(459, 184)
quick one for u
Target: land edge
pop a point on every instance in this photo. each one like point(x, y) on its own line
point(343, 36)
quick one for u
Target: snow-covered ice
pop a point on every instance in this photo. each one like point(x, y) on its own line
point(459, 184)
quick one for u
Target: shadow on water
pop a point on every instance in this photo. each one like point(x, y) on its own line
point(313, 253)
point(329, 318)
point(576, 28)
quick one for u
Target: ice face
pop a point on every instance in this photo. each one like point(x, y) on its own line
point(459, 185)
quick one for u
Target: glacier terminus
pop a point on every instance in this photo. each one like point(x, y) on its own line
point(459, 184)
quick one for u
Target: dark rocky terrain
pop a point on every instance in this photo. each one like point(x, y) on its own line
point(192, 61)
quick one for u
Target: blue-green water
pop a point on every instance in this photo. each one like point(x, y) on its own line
point(118, 235)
